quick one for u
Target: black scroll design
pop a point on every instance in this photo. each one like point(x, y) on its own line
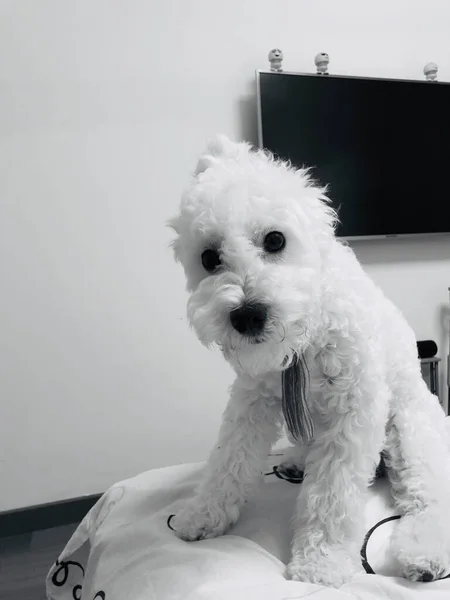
point(61, 576)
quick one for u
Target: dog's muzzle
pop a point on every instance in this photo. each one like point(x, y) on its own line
point(249, 319)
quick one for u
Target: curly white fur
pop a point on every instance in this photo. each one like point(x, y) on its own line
point(367, 394)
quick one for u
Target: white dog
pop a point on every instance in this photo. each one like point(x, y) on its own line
point(287, 302)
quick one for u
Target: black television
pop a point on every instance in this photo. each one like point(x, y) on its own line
point(382, 147)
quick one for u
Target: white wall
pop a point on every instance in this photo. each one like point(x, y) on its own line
point(103, 108)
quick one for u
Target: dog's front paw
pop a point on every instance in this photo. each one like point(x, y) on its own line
point(326, 566)
point(421, 544)
point(201, 519)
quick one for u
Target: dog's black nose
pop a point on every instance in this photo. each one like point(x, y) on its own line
point(249, 319)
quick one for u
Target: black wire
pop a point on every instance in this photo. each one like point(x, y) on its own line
point(170, 517)
point(365, 563)
point(277, 472)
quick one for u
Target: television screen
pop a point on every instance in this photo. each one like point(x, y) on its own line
point(381, 146)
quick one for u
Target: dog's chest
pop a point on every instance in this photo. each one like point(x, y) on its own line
point(271, 386)
point(316, 400)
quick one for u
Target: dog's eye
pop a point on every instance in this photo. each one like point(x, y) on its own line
point(274, 242)
point(210, 260)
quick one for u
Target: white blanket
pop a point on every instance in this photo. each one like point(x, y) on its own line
point(123, 549)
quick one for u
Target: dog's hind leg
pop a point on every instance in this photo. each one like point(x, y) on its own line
point(340, 464)
point(418, 461)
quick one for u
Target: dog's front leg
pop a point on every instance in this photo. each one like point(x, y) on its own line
point(418, 461)
point(329, 526)
point(250, 426)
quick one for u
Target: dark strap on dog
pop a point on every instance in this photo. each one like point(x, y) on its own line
point(295, 386)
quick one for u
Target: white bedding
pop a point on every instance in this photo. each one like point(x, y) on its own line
point(123, 549)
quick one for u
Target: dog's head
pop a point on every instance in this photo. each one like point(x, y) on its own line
point(251, 236)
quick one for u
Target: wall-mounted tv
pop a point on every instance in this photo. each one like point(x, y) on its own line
point(382, 146)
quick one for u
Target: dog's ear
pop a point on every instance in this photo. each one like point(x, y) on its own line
point(218, 148)
point(205, 162)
